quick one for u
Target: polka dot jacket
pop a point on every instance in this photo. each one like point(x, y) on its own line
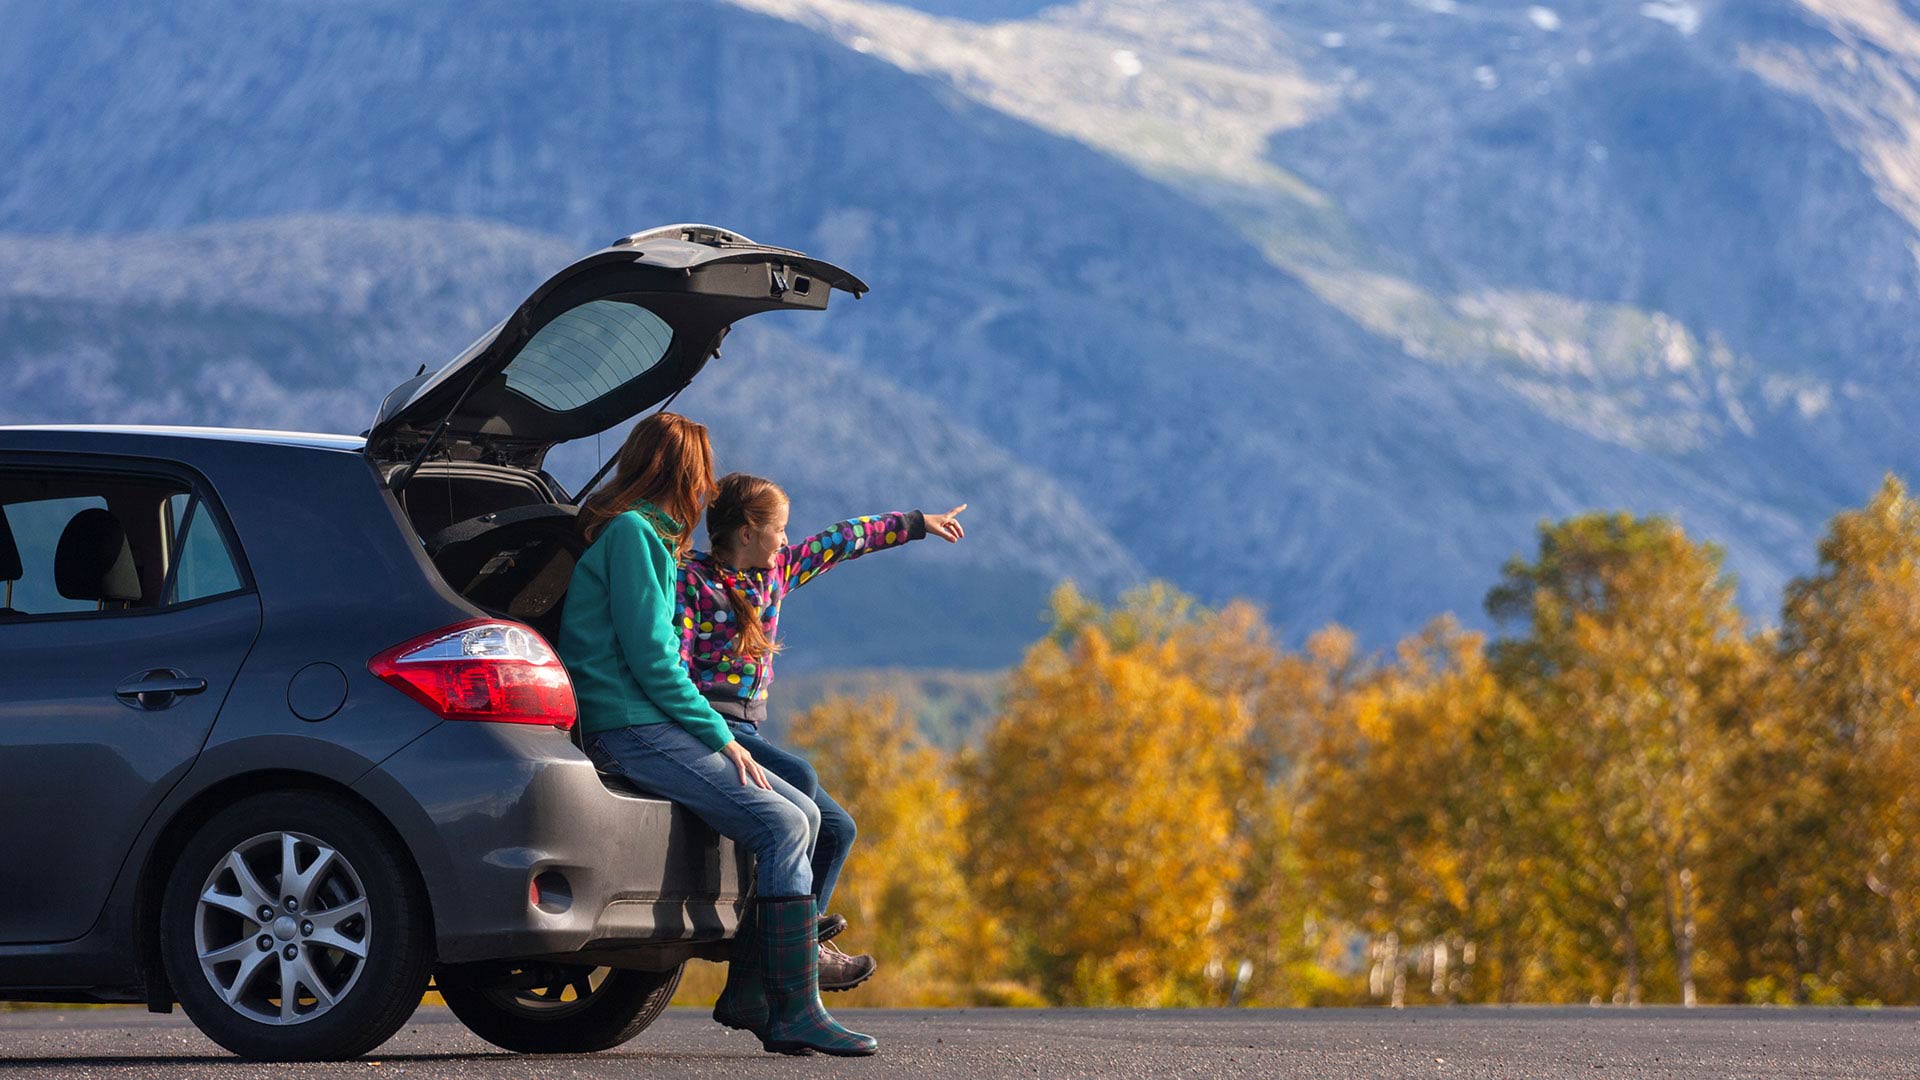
point(708, 631)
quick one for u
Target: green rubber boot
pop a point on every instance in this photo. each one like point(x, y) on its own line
point(787, 927)
point(743, 1003)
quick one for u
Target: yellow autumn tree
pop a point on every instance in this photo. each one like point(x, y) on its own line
point(1408, 819)
point(1637, 664)
point(1104, 831)
point(1291, 948)
point(1275, 946)
point(903, 890)
point(1828, 796)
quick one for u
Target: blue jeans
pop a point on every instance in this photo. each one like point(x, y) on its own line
point(836, 825)
point(780, 826)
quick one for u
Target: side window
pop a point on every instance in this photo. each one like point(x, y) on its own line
point(203, 563)
point(75, 541)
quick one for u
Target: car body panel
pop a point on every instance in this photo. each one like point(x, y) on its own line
point(486, 807)
point(82, 770)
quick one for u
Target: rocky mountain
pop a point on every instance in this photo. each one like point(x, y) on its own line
point(1323, 303)
point(1669, 224)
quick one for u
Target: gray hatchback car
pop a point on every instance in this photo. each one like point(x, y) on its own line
point(281, 736)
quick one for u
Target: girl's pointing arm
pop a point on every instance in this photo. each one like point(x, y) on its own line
point(802, 562)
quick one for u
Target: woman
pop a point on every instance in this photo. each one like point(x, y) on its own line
point(729, 607)
point(643, 719)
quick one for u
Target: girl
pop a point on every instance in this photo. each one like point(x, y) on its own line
point(729, 617)
point(642, 718)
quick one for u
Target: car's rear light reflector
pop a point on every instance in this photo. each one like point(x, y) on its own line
point(482, 670)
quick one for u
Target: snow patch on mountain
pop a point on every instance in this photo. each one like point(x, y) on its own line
point(1678, 14)
point(1125, 78)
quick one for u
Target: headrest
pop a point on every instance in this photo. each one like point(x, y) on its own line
point(93, 561)
point(9, 551)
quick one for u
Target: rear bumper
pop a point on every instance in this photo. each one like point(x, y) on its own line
point(487, 808)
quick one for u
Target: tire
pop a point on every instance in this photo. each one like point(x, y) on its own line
point(616, 1006)
point(358, 892)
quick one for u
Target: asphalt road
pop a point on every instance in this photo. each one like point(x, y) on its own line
point(996, 1044)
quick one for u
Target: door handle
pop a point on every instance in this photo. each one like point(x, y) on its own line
point(157, 689)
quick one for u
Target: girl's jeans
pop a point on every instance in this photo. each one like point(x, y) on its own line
point(836, 825)
point(781, 827)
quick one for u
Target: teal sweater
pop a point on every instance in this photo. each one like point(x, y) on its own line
point(618, 640)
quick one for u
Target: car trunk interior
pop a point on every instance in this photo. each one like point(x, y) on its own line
point(443, 494)
point(501, 537)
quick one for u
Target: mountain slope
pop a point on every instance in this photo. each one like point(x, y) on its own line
point(1585, 204)
point(306, 323)
point(1225, 332)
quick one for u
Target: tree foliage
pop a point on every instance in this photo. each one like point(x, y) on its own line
point(903, 883)
point(1106, 831)
point(1628, 795)
point(1825, 805)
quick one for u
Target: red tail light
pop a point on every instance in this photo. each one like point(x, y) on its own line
point(482, 670)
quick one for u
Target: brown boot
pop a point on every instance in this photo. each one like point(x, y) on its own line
point(831, 925)
point(838, 971)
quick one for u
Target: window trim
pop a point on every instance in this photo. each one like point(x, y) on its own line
point(177, 548)
point(138, 468)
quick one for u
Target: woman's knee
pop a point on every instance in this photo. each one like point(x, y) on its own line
point(787, 826)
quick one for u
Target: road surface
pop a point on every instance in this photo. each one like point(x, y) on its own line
point(978, 1044)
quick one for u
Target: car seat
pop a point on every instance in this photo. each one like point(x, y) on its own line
point(10, 568)
point(93, 562)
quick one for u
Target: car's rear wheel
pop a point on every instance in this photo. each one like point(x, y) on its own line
point(293, 929)
point(557, 1008)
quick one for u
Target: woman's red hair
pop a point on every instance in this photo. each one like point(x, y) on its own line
point(667, 460)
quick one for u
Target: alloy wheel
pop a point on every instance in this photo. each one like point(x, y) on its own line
point(282, 928)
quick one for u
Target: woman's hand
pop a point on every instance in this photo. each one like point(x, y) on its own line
point(750, 770)
point(946, 526)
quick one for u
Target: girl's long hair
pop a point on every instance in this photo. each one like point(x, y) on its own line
point(744, 500)
point(667, 460)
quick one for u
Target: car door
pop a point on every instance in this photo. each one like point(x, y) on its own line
point(128, 616)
